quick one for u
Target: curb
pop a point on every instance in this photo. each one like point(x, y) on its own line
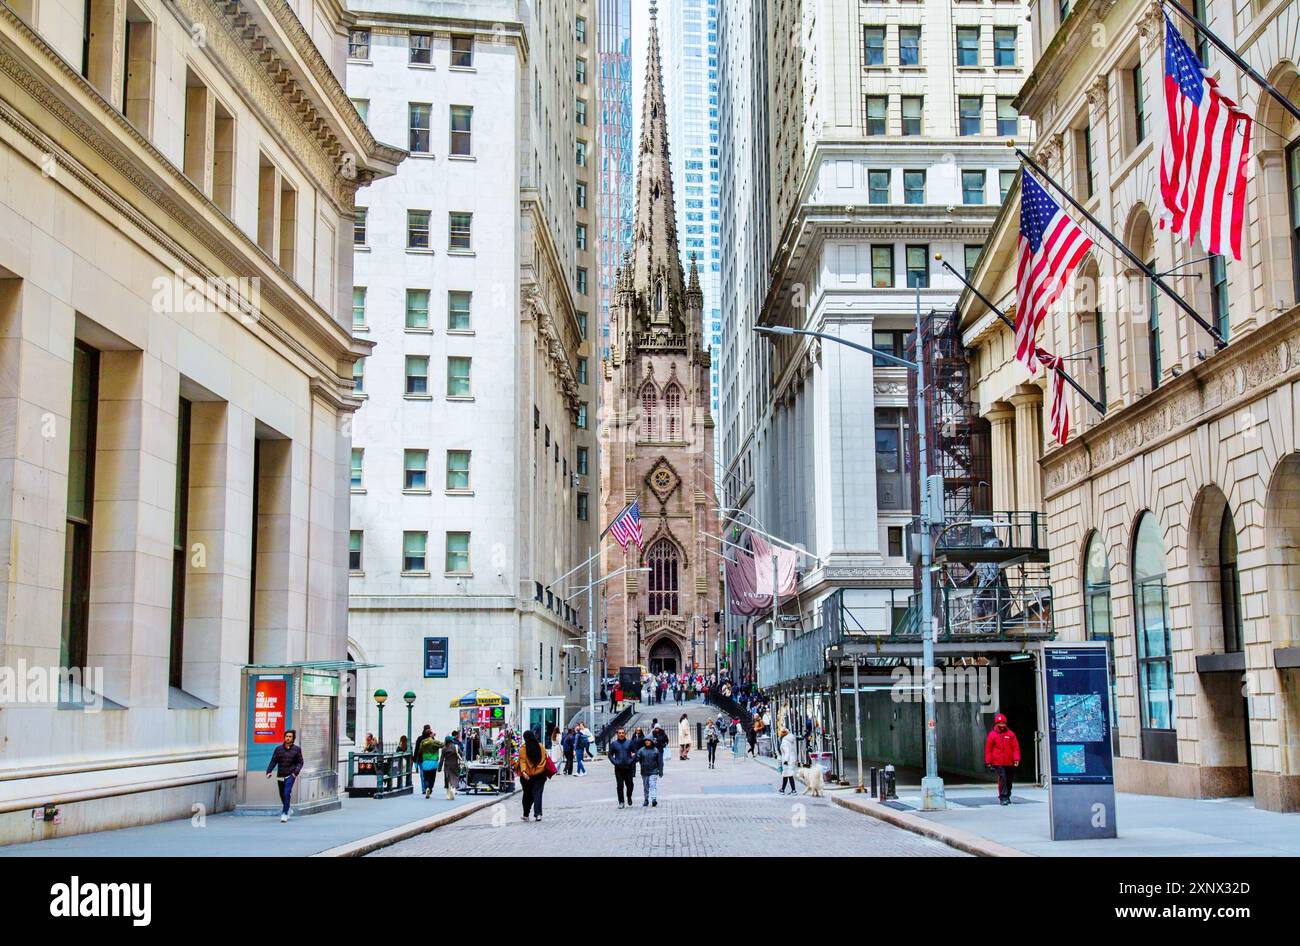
point(410, 830)
point(964, 841)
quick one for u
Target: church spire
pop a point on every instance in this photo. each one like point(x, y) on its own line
point(657, 268)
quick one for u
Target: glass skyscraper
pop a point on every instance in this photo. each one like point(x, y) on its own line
point(616, 201)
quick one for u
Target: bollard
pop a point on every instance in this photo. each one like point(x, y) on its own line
point(881, 794)
point(699, 735)
point(889, 787)
point(873, 781)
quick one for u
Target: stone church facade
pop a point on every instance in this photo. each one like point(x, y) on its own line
point(659, 431)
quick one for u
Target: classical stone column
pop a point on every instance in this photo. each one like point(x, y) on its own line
point(1003, 466)
point(1028, 401)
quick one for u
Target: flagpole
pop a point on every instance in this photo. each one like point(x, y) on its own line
point(1097, 405)
point(1132, 257)
point(1233, 55)
point(614, 520)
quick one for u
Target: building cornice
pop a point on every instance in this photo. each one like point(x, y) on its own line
point(1071, 39)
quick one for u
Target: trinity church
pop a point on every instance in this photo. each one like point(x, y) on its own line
point(659, 444)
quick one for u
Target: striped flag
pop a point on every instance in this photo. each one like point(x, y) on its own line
point(1058, 409)
point(1051, 246)
point(1204, 156)
point(626, 526)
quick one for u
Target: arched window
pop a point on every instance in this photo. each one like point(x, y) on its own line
point(659, 295)
point(1145, 297)
point(1155, 660)
point(662, 561)
point(1097, 617)
point(1229, 583)
point(673, 412)
point(1092, 333)
point(649, 412)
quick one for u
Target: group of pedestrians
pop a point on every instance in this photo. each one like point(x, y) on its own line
point(667, 686)
point(574, 746)
point(643, 752)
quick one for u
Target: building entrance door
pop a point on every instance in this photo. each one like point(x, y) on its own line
point(665, 657)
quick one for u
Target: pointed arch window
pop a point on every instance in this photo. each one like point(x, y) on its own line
point(659, 295)
point(673, 412)
point(662, 560)
point(649, 412)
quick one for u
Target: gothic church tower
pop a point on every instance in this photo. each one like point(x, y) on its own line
point(659, 446)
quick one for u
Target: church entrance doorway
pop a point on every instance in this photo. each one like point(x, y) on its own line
point(665, 657)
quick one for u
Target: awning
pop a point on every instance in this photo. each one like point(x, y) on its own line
point(481, 697)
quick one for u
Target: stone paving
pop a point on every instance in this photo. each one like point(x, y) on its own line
point(728, 811)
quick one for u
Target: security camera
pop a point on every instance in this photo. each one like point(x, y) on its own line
point(950, 208)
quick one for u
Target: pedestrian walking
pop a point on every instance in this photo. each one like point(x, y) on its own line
point(426, 759)
point(449, 762)
point(789, 759)
point(684, 737)
point(621, 753)
point(651, 761)
point(568, 743)
point(534, 768)
point(1002, 755)
point(751, 736)
point(580, 745)
point(616, 697)
point(661, 743)
point(286, 760)
point(711, 743)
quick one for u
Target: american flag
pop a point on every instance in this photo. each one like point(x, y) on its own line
point(626, 526)
point(1051, 246)
point(1205, 153)
point(1059, 408)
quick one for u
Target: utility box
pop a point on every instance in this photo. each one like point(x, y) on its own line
point(303, 697)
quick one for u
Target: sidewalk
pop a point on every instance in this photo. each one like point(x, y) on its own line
point(360, 826)
point(1148, 825)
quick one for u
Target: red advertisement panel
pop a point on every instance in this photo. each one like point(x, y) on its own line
point(268, 711)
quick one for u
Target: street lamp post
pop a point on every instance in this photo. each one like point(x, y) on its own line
point(381, 697)
point(932, 794)
point(409, 698)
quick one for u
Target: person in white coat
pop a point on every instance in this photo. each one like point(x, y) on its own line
point(789, 760)
point(684, 736)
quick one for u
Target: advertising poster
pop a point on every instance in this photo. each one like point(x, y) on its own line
point(269, 710)
point(435, 657)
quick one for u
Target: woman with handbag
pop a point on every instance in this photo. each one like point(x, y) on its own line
point(449, 762)
point(534, 768)
point(426, 759)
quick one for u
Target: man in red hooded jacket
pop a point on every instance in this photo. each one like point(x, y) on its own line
point(1002, 755)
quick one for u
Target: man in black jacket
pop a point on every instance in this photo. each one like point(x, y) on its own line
point(286, 760)
point(651, 761)
point(621, 753)
point(661, 743)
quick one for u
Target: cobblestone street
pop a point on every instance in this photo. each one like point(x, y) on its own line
point(731, 810)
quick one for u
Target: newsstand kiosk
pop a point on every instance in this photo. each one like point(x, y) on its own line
point(300, 696)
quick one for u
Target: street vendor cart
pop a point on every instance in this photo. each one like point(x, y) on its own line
point(482, 723)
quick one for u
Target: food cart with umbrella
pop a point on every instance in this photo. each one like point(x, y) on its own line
point(485, 711)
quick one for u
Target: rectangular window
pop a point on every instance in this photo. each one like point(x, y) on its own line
point(420, 49)
point(580, 30)
point(888, 341)
point(418, 127)
point(970, 115)
point(195, 158)
point(1219, 293)
point(457, 561)
point(462, 121)
point(358, 459)
point(893, 462)
point(417, 375)
point(458, 470)
point(1202, 44)
point(459, 231)
point(582, 154)
point(582, 370)
point(458, 369)
point(878, 187)
point(971, 256)
point(417, 229)
point(288, 225)
point(582, 416)
point(918, 267)
point(1008, 117)
point(582, 507)
point(415, 546)
point(582, 325)
point(1139, 105)
point(882, 267)
point(462, 52)
point(895, 535)
point(581, 195)
point(873, 45)
point(582, 280)
point(180, 546)
point(582, 461)
point(354, 551)
point(415, 469)
point(137, 76)
point(363, 109)
point(914, 187)
point(223, 159)
point(359, 376)
point(359, 44)
point(82, 427)
point(358, 306)
point(912, 112)
point(909, 45)
point(877, 109)
point(1004, 46)
point(580, 111)
point(458, 310)
point(417, 308)
point(1005, 179)
point(972, 187)
point(580, 236)
point(359, 226)
point(968, 45)
point(580, 71)
point(1153, 328)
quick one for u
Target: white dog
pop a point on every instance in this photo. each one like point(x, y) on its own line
point(812, 777)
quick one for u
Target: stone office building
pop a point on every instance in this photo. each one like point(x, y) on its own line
point(176, 197)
